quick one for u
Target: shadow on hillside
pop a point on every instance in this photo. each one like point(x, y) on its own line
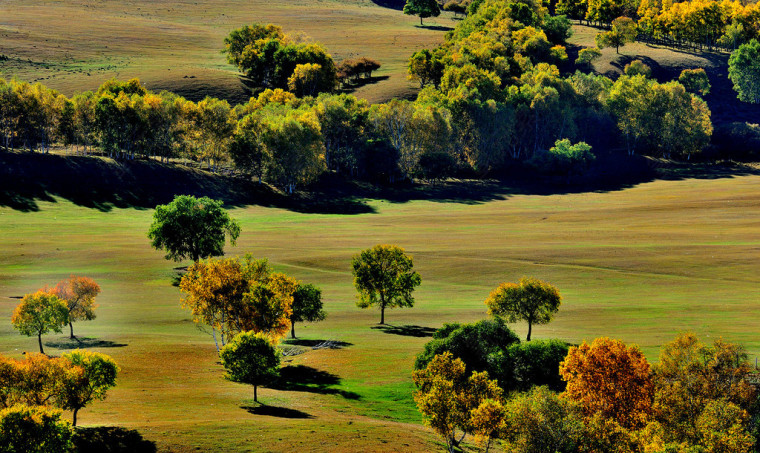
point(29, 178)
point(302, 378)
point(406, 330)
point(111, 439)
point(274, 411)
point(84, 342)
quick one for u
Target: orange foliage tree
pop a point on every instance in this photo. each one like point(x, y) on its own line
point(612, 379)
point(79, 294)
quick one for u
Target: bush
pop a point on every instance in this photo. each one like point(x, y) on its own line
point(557, 28)
point(737, 140)
point(587, 56)
point(564, 158)
point(25, 429)
point(695, 81)
point(638, 67)
point(436, 165)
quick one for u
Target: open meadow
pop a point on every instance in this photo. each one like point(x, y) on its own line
point(639, 264)
point(175, 45)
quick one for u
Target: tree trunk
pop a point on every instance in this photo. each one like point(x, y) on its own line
point(420, 21)
point(292, 330)
point(39, 340)
point(530, 327)
point(71, 326)
point(74, 422)
point(382, 314)
point(255, 396)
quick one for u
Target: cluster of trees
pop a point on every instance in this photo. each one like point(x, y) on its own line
point(711, 23)
point(34, 391)
point(696, 398)
point(49, 310)
point(354, 70)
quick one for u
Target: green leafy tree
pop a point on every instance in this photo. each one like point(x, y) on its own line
point(637, 67)
point(25, 429)
point(307, 306)
point(247, 147)
point(587, 56)
point(564, 158)
point(422, 8)
point(87, 378)
point(530, 299)
point(744, 71)
point(251, 358)
point(40, 313)
point(191, 227)
point(623, 31)
point(426, 67)
point(384, 275)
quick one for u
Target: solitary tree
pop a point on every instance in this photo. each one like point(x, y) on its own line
point(79, 294)
point(87, 378)
point(422, 8)
point(251, 358)
point(38, 314)
point(531, 300)
point(190, 227)
point(384, 275)
point(744, 71)
point(623, 31)
point(307, 306)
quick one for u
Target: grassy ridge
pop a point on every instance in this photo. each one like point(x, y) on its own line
point(173, 44)
point(638, 264)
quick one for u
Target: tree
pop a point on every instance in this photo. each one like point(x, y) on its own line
point(251, 358)
point(384, 275)
point(540, 421)
point(637, 67)
point(564, 158)
point(191, 227)
point(692, 376)
point(426, 67)
point(587, 56)
point(695, 81)
point(266, 307)
point(422, 8)
point(79, 294)
point(446, 397)
point(38, 314)
point(247, 147)
point(623, 31)
point(307, 306)
point(87, 378)
point(531, 300)
point(744, 71)
point(306, 80)
point(25, 429)
point(610, 378)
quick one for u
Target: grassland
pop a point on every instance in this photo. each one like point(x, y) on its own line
point(640, 264)
point(174, 44)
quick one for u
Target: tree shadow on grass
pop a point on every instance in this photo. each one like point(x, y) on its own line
point(435, 27)
point(274, 411)
point(330, 344)
point(83, 342)
point(302, 378)
point(406, 330)
point(111, 439)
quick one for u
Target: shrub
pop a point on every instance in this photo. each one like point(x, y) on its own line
point(25, 429)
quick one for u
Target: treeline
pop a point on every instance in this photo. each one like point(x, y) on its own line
point(725, 23)
point(493, 97)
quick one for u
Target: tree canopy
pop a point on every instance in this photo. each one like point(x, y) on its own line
point(40, 313)
point(384, 276)
point(744, 71)
point(307, 306)
point(251, 358)
point(191, 227)
point(530, 299)
point(25, 429)
point(87, 379)
point(422, 8)
point(79, 294)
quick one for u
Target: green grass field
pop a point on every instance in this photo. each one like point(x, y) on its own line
point(640, 264)
point(175, 44)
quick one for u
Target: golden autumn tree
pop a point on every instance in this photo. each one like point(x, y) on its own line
point(79, 294)
point(612, 379)
point(691, 378)
point(38, 314)
point(447, 397)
